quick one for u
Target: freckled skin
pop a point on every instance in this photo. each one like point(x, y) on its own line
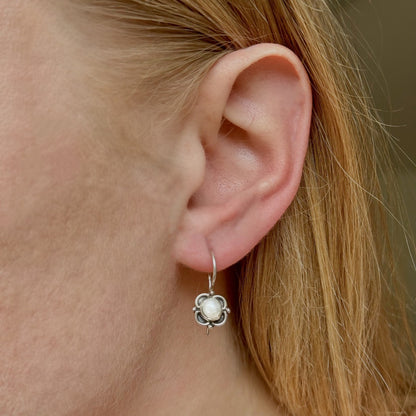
point(77, 223)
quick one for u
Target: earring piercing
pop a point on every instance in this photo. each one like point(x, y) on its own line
point(211, 309)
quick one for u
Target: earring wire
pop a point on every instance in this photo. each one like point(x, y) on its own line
point(212, 279)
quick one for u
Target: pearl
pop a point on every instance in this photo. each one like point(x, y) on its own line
point(211, 308)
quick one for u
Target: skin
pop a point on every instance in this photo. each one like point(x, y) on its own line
point(102, 252)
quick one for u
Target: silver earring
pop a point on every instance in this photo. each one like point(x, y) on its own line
point(211, 309)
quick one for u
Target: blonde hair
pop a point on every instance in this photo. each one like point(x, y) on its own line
point(321, 312)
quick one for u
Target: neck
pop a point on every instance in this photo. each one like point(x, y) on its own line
point(188, 372)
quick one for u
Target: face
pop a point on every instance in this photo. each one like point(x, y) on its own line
point(84, 225)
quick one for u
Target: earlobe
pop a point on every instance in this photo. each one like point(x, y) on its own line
point(252, 116)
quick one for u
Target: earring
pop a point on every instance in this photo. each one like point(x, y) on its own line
point(211, 309)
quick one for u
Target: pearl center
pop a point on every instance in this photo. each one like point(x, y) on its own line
point(211, 309)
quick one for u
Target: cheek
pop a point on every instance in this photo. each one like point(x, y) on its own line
point(32, 177)
point(84, 268)
point(40, 119)
point(80, 240)
point(84, 278)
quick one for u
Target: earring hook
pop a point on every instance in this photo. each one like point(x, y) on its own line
point(212, 279)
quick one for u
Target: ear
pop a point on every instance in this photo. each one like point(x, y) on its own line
point(252, 118)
